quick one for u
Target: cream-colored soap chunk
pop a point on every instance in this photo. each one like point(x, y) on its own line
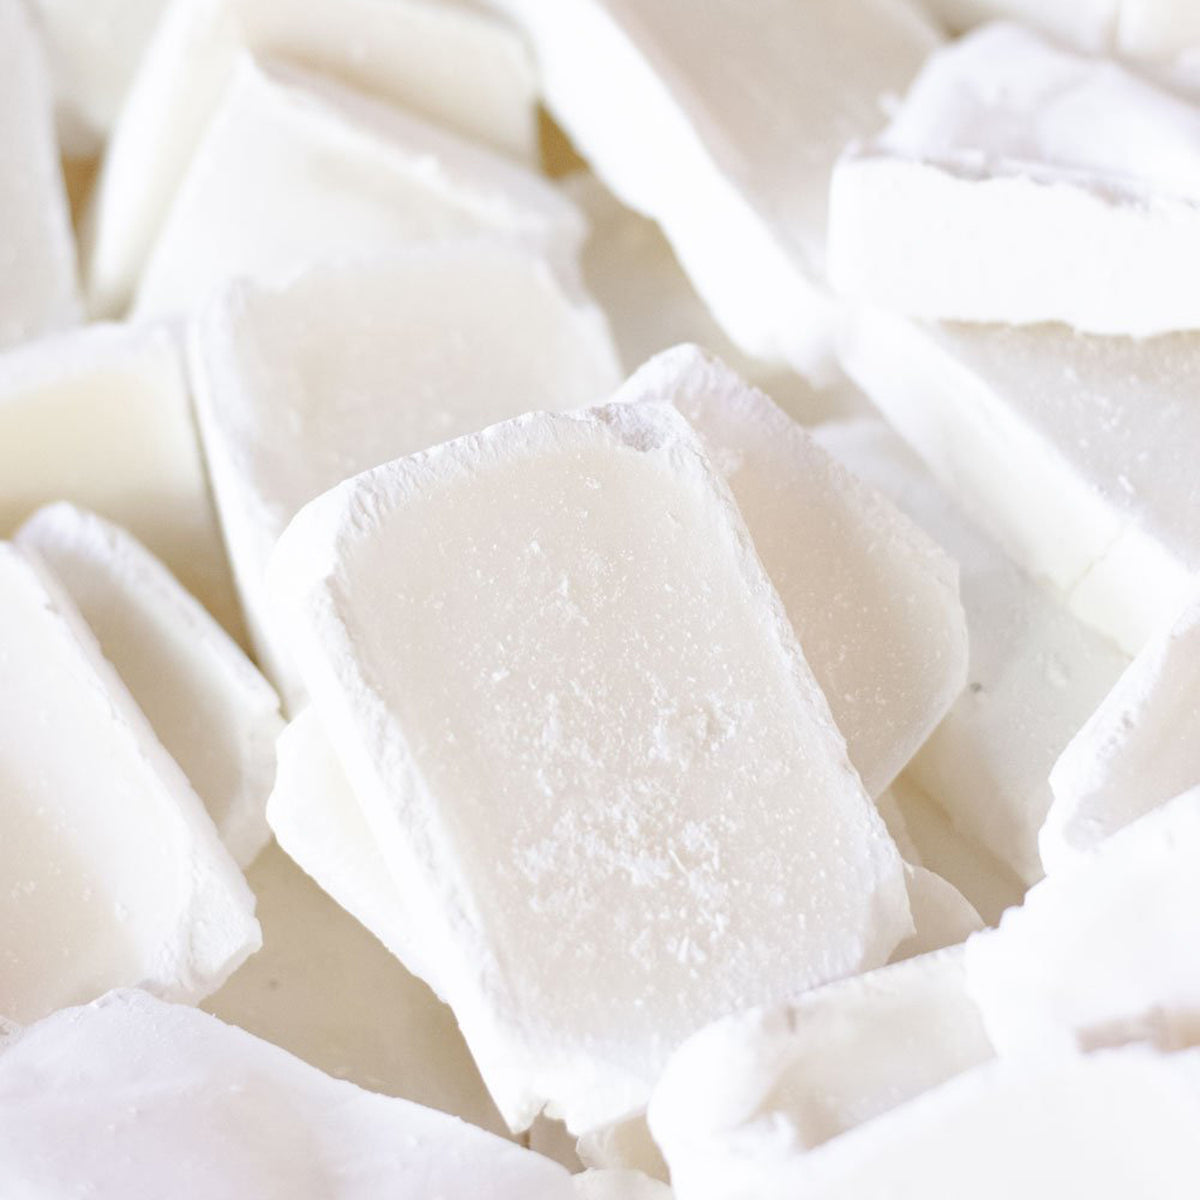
point(942, 915)
point(294, 170)
point(693, 122)
point(1036, 674)
point(874, 602)
point(133, 1097)
point(1075, 452)
point(1139, 748)
point(113, 872)
point(1023, 183)
point(351, 365)
point(93, 48)
point(102, 417)
point(38, 291)
point(1107, 1126)
point(762, 1088)
point(576, 716)
point(446, 62)
point(1158, 29)
point(1088, 25)
point(1099, 953)
point(326, 990)
point(206, 701)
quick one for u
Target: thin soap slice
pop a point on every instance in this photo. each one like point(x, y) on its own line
point(114, 874)
point(574, 712)
point(211, 709)
point(133, 1097)
point(353, 364)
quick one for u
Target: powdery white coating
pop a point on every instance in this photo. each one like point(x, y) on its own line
point(693, 122)
point(326, 990)
point(38, 291)
point(132, 1097)
point(113, 871)
point(1023, 183)
point(1036, 673)
point(294, 170)
point(1088, 25)
point(102, 417)
point(1099, 953)
point(1075, 452)
point(1138, 749)
point(93, 48)
point(206, 701)
point(751, 1094)
point(353, 364)
point(562, 686)
point(874, 602)
point(446, 62)
point(631, 270)
point(1107, 1126)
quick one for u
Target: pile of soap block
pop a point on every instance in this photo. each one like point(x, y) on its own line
point(599, 600)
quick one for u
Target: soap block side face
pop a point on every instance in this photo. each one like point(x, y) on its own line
point(102, 417)
point(1138, 749)
point(453, 65)
point(873, 600)
point(206, 701)
point(117, 875)
point(38, 290)
point(562, 685)
point(351, 365)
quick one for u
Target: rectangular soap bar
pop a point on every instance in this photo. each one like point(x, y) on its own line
point(102, 417)
point(38, 291)
point(1036, 673)
point(206, 701)
point(1023, 183)
point(1138, 749)
point(353, 364)
point(784, 1081)
point(575, 714)
point(447, 62)
point(113, 872)
point(1108, 1126)
point(133, 1097)
point(873, 600)
point(694, 123)
point(1006, 418)
point(294, 169)
point(1099, 953)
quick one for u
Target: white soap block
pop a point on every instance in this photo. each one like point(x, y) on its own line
point(352, 365)
point(562, 686)
point(295, 170)
point(446, 62)
point(1140, 748)
point(942, 915)
point(1036, 673)
point(1158, 29)
point(93, 48)
point(1107, 1126)
point(874, 602)
point(975, 872)
point(764, 1087)
point(631, 270)
point(207, 703)
point(619, 1185)
point(38, 292)
point(1088, 25)
point(132, 1097)
point(694, 123)
point(324, 989)
point(1075, 452)
point(113, 872)
point(1022, 183)
point(1098, 953)
point(102, 417)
